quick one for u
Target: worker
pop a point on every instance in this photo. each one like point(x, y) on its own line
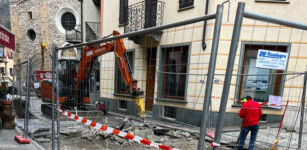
point(251, 113)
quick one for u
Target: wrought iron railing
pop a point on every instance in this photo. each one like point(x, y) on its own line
point(74, 35)
point(144, 15)
point(92, 31)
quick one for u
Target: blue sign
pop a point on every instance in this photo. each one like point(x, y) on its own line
point(272, 59)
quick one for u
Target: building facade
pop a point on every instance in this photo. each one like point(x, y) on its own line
point(179, 97)
point(7, 47)
point(34, 22)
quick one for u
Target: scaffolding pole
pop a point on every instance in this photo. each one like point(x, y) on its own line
point(53, 91)
point(228, 76)
point(302, 113)
point(210, 77)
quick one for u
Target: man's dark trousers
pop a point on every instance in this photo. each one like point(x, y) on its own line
point(244, 132)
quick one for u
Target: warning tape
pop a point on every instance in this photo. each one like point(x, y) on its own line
point(110, 130)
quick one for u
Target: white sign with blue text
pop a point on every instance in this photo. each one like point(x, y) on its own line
point(271, 59)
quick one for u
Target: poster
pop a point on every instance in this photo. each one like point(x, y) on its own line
point(275, 101)
point(272, 59)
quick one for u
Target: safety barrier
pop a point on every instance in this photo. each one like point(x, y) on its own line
point(110, 130)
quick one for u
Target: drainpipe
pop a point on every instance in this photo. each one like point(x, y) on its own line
point(204, 45)
point(101, 17)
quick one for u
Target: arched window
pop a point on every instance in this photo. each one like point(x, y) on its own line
point(68, 21)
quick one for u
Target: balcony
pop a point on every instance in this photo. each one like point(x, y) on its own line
point(92, 31)
point(74, 35)
point(144, 15)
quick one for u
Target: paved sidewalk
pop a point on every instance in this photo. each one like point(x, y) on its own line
point(7, 141)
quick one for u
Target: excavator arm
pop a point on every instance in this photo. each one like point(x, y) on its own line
point(117, 46)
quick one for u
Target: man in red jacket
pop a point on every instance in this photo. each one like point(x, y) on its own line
point(251, 113)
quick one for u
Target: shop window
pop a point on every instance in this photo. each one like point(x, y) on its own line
point(123, 12)
point(259, 82)
point(185, 4)
point(121, 87)
point(174, 72)
point(169, 112)
point(122, 104)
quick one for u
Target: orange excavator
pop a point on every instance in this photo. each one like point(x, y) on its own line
point(73, 77)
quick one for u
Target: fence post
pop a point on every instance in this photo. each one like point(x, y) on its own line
point(58, 102)
point(228, 76)
point(53, 92)
point(302, 113)
point(29, 70)
point(210, 76)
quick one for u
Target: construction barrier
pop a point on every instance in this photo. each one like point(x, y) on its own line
point(110, 130)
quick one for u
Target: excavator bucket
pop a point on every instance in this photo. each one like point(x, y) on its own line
point(140, 106)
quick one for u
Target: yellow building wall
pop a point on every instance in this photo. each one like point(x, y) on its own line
point(252, 30)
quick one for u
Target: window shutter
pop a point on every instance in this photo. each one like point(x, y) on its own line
point(123, 12)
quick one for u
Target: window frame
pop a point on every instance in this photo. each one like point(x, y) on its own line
point(68, 27)
point(168, 117)
point(116, 77)
point(185, 7)
point(160, 96)
point(242, 59)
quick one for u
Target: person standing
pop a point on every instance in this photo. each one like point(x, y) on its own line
point(251, 113)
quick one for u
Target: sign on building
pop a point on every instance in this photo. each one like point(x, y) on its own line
point(7, 38)
point(272, 59)
point(40, 75)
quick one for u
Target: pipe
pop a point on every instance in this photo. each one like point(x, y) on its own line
point(144, 31)
point(275, 20)
point(101, 17)
point(227, 81)
point(300, 136)
point(204, 45)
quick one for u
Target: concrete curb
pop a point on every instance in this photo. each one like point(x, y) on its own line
point(39, 147)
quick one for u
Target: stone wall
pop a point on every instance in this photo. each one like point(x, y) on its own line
point(43, 23)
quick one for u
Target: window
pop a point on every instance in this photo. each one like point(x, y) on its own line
point(174, 72)
point(261, 82)
point(185, 3)
point(2, 71)
point(29, 15)
point(122, 104)
point(2, 52)
point(263, 117)
point(11, 72)
point(31, 34)
point(169, 112)
point(121, 87)
point(68, 21)
point(123, 12)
